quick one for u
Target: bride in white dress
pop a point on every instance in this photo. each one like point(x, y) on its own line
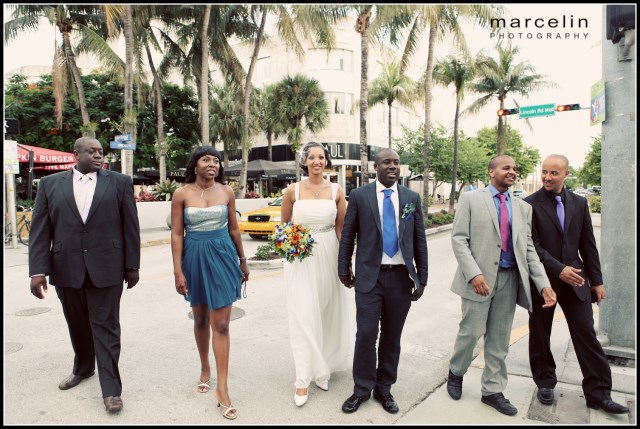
point(317, 302)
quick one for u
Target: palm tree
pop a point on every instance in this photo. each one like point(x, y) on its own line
point(204, 76)
point(387, 20)
point(267, 119)
point(300, 105)
point(80, 19)
point(442, 19)
point(392, 85)
point(313, 22)
point(226, 116)
point(501, 77)
point(452, 70)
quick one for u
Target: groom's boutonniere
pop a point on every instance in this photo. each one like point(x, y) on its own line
point(407, 213)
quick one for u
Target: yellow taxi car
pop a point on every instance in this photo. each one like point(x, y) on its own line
point(261, 222)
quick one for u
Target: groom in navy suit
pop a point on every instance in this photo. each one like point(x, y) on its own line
point(391, 260)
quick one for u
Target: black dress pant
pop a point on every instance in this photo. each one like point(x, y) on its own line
point(93, 318)
point(385, 306)
point(596, 383)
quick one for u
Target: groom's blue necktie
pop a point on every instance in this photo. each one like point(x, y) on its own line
point(389, 230)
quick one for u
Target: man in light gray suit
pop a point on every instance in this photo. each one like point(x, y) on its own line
point(496, 258)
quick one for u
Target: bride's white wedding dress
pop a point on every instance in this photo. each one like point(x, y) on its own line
point(317, 302)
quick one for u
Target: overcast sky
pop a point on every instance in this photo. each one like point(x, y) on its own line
point(569, 53)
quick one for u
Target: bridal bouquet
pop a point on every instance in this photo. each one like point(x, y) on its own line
point(292, 241)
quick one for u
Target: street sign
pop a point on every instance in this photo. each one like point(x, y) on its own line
point(122, 145)
point(123, 138)
point(540, 110)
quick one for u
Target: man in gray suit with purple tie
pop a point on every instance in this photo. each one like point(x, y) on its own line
point(492, 242)
point(391, 271)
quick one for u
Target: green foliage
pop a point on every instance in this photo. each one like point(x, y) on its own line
point(441, 218)
point(165, 189)
point(410, 145)
point(265, 251)
point(525, 157)
point(27, 204)
point(33, 106)
point(590, 174)
point(595, 203)
point(299, 104)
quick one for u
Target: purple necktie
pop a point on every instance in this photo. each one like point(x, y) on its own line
point(560, 211)
point(504, 222)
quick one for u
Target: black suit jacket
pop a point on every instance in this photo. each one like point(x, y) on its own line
point(64, 247)
point(363, 220)
point(576, 246)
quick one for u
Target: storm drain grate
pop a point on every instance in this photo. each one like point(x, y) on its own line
point(11, 348)
point(236, 313)
point(32, 311)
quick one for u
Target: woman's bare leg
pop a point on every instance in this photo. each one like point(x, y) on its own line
point(201, 331)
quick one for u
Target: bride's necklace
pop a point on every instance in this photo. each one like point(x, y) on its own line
point(317, 194)
point(203, 189)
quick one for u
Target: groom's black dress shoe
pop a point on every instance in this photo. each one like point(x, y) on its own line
point(500, 403)
point(352, 404)
point(545, 395)
point(73, 380)
point(607, 405)
point(386, 399)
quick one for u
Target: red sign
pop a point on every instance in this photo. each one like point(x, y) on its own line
point(44, 156)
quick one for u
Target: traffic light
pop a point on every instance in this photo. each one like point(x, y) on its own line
point(505, 112)
point(567, 107)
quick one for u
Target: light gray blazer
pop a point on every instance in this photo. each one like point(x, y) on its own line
point(476, 244)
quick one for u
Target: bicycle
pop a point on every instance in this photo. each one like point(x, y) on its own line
point(24, 226)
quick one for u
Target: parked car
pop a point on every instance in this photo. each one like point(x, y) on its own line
point(261, 223)
point(520, 193)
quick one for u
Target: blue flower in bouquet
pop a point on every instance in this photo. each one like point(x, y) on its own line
point(292, 241)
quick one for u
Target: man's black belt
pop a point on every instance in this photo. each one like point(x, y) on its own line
point(505, 269)
point(391, 266)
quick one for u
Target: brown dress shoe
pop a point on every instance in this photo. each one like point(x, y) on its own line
point(72, 381)
point(113, 404)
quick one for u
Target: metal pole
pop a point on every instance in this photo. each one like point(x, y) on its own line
point(30, 184)
point(11, 207)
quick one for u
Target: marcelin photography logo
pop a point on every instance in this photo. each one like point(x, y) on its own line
point(562, 27)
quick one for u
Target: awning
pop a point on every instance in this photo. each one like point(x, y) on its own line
point(55, 167)
point(44, 156)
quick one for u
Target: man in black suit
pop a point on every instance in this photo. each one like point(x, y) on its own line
point(387, 221)
point(85, 236)
point(563, 236)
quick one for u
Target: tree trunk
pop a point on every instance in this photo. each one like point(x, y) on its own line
point(390, 103)
point(270, 146)
point(428, 92)
point(362, 27)
point(66, 41)
point(130, 121)
point(454, 175)
point(204, 78)
point(161, 145)
point(500, 139)
point(245, 107)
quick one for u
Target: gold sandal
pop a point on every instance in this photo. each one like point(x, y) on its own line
point(228, 412)
point(204, 386)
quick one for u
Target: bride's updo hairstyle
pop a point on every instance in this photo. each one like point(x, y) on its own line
point(304, 154)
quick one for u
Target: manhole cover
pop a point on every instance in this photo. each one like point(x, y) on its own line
point(33, 311)
point(11, 348)
point(568, 408)
point(236, 313)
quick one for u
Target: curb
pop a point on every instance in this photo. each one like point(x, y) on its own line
point(272, 264)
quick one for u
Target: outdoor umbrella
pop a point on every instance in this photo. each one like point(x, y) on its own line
point(259, 167)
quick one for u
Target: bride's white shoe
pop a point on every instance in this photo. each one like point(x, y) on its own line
point(300, 400)
point(323, 384)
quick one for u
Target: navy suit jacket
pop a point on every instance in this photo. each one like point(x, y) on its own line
point(362, 221)
point(64, 247)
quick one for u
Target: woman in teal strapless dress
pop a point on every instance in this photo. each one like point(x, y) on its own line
point(208, 263)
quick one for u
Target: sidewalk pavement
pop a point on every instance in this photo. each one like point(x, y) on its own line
point(425, 402)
